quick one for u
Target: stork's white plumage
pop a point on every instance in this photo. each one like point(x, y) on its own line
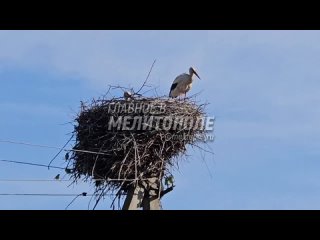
point(130, 95)
point(182, 84)
point(127, 95)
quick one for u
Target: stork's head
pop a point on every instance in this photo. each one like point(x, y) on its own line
point(192, 71)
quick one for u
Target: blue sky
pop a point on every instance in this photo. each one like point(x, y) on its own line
point(262, 87)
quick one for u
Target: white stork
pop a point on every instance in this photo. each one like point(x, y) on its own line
point(182, 84)
point(127, 95)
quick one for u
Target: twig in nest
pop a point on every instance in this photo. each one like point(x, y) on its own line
point(145, 81)
point(59, 151)
point(129, 156)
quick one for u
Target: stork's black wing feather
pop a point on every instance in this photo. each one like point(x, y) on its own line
point(173, 86)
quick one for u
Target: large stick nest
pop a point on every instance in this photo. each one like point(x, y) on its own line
point(121, 156)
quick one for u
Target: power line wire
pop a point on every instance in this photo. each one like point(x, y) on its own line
point(83, 194)
point(61, 180)
point(46, 194)
point(34, 180)
point(51, 147)
point(29, 163)
point(42, 165)
point(28, 144)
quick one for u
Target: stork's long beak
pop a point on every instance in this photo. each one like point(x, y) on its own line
point(196, 74)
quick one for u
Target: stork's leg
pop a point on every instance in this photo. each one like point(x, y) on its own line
point(185, 95)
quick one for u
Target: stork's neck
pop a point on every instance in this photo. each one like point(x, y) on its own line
point(191, 78)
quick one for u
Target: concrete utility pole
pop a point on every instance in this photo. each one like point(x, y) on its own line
point(134, 198)
point(145, 196)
